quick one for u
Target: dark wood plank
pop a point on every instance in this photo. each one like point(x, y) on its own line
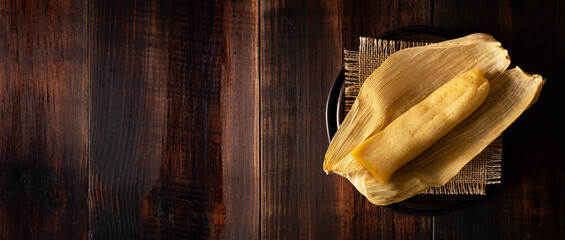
point(128, 112)
point(367, 18)
point(531, 203)
point(466, 17)
point(43, 120)
point(300, 54)
point(240, 120)
point(301, 51)
point(173, 107)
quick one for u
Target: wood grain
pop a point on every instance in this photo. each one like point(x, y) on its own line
point(300, 54)
point(128, 112)
point(240, 120)
point(466, 17)
point(531, 203)
point(186, 201)
point(43, 120)
point(367, 18)
point(174, 88)
point(188, 119)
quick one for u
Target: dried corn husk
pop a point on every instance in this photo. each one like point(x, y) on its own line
point(405, 79)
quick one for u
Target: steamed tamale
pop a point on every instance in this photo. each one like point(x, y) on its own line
point(406, 78)
point(422, 125)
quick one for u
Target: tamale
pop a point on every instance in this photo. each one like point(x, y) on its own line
point(422, 125)
point(404, 80)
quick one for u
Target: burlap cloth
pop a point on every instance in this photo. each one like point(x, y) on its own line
point(483, 170)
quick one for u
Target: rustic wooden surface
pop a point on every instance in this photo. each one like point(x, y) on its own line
point(173, 108)
point(205, 120)
point(43, 120)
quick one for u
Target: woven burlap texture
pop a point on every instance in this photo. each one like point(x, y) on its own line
point(483, 170)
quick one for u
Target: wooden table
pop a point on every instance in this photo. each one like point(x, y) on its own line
point(205, 120)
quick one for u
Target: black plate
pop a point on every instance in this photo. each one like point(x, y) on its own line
point(427, 205)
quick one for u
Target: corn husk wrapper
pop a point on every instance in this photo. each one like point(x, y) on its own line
point(405, 79)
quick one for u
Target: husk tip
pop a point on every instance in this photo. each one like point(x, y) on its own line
point(535, 77)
